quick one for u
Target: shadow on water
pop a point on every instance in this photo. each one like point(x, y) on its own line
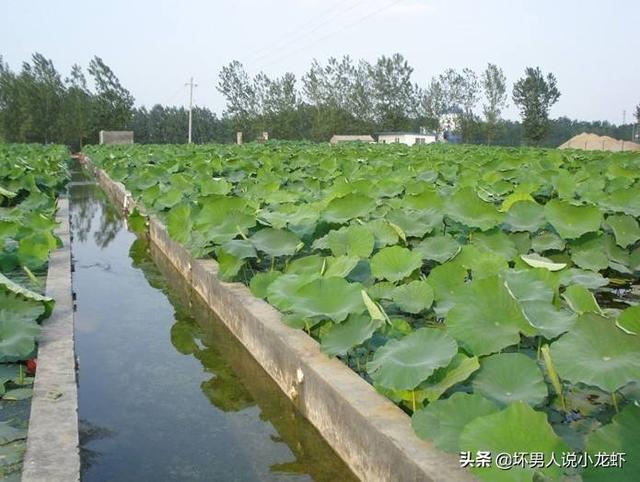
point(165, 390)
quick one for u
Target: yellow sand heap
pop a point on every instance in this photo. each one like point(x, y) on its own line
point(594, 142)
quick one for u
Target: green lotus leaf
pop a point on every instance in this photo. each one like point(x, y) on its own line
point(589, 254)
point(333, 298)
point(14, 307)
point(625, 229)
point(275, 242)
point(354, 331)
point(214, 186)
point(413, 297)
point(517, 428)
point(536, 261)
point(536, 284)
point(168, 198)
point(240, 248)
point(403, 364)
point(550, 321)
point(394, 263)
point(383, 233)
point(547, 241)
point(509, 377)
point(447, 281)
point(581, 300)
point(311, 265)
point(595, 352)
point(620, 436)
point(415, 223)
point(6, 193)
point(351, 206)
point(33, 250)
point(260, 282)
point(460, 368)
point(9, 434)
point(137, 222)
point(383, 289)
point(522, 241)
point(179, 223)
point(340, 266)
point(483, 264)
point(525, 216)
point(442, 421)
point(513, 198)
point(588, 279)
point(467, 208)
point(351, 241)
point(625, 200)
point(629, 320)
point(17, 337)
point(438, 248)
point(228, 264)
point(426, 199)
point(281, 291)
point(571, 221)
point(496, 242)
point(486, 318)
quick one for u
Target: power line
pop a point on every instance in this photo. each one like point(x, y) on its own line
point(340, 30)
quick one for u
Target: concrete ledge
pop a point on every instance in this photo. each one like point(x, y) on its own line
point(371, 434)
point(52, 439)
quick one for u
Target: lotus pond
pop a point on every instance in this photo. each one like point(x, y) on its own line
point(31, 177)
point(491, 292)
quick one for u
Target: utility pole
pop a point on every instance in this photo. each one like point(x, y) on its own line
point(191, 86)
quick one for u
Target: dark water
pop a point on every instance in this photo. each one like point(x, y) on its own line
point(165, 392)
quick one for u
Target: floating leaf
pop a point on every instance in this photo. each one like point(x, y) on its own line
point(595, 352)
point(333, 298)
point(525, 216)
point(509, 377)
point(351, 241)
point(394, 263)
point(275, 242)
point(589, 254)
point(629, 320)
point(625, 229)
point(486, 318)
point(550, 321)
point(403, 364)
point(547, 241)
point(536, 261)
point(581, 300)
point(460, 368)
point(354, 331)
point(620, 436)
point(438, 248)
point(517, 428)
point(572, 221)
point(413, 297)
point(443, 420)
point(467, 208)
point(343, 209)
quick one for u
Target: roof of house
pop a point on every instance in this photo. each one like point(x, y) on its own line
point(348, 138)
point(404, 133)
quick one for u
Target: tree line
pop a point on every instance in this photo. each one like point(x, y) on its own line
point(340, 96)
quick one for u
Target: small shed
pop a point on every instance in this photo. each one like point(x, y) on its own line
point(116, 137)
point(408, 138)
point(351, 138)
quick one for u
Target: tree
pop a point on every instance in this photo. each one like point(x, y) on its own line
point(114, 103)
point(77, 108)
point(494, 85)
point(637, 114)
point(240, 95)
point(394, 94)
point(534, 95)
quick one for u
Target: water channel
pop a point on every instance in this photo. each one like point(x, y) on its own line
point(165, 391)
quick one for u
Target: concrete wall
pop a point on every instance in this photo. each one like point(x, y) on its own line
point(116, 137)
point(371, 434)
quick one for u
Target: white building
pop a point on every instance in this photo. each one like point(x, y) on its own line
point(408, 138)
point(351, 138)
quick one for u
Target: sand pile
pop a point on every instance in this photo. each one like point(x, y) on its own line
point(594, 142)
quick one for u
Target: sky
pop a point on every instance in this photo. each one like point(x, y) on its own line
point(155, 46)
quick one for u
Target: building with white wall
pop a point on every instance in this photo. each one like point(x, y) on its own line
point(408, 138)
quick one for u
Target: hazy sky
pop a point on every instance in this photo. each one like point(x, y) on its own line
point(154, 46)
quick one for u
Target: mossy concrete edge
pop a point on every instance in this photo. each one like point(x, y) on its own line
point(370, 433)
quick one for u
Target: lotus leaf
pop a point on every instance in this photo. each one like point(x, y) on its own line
point(581, 300)
point(629, 320)
point(443, 420)
point(460, 368)
point(509, 377)
point(467, 208)
point(438, 248)
point(595, 352)
point(625, 229)
point(525, 216)
point(261, 281)
point(351, 241)
point(413, 297)
point(486, 318)
point(351, 206)
point(354, 331)
point(517, 428)
point(536, 261)
point(403, 364)
point(394, 263)
point(571, 221)
point(333, 298)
